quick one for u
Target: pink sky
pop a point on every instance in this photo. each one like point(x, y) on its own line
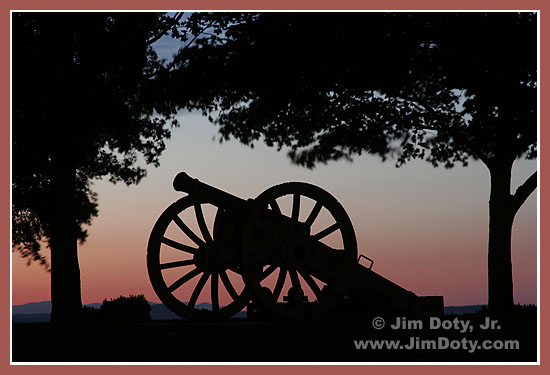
point(425, 228)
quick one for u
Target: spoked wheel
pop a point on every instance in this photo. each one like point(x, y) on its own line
point(299, 251)
point(187, 266)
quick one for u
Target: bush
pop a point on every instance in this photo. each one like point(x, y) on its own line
point(525, 309)
point(132, 308)
point(90, 314)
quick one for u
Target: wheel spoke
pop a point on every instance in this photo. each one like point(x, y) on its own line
point(228, 286)
point(180, 263)
point(179, 246)
point(314, 213)
point(202, 224)
point(182, 280)
point(214, 292)
point(268, 271)
point(280, 282)
point(295, 206)
point(325, 232)
point(275, 206)
point(185, 229)
point(294, 278)
point(197, 290)
point(312, 284)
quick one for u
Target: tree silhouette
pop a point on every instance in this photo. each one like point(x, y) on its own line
point(86, 104)
point(444, 87)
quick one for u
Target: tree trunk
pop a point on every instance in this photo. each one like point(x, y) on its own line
point(501, 218)
point(65, 271)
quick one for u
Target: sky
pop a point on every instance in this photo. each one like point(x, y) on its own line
point(425, 228)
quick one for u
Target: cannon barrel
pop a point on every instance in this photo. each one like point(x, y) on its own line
point(206, 193)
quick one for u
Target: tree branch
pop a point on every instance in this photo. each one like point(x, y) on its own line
point(466, 141)
point(165, 29)
point(452, 132)
point(174, 61)
point(422, 103)
point(195, 37)
point(524, 191)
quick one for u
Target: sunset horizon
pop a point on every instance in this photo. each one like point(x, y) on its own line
point(424, 227)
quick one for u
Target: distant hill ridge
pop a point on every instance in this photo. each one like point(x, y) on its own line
point(45, 307)
point(40, 311)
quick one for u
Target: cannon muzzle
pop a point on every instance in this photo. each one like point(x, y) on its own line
point(184, 182)
point(206, 193)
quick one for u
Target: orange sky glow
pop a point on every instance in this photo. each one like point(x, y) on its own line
point(424, 227)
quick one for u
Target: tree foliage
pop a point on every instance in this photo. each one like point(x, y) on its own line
point(445, 87)
point(83, 93)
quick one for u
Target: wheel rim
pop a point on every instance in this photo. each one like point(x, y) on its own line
point(283, 275)
point(187, 266)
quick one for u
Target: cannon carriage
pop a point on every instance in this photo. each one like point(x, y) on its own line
point(272, 258)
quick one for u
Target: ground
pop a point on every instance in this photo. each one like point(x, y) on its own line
point(239, 340)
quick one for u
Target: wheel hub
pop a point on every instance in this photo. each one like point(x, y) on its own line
point(208, 258)
point(295, 252)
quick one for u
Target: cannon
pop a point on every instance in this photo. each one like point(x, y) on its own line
point(290, 252)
